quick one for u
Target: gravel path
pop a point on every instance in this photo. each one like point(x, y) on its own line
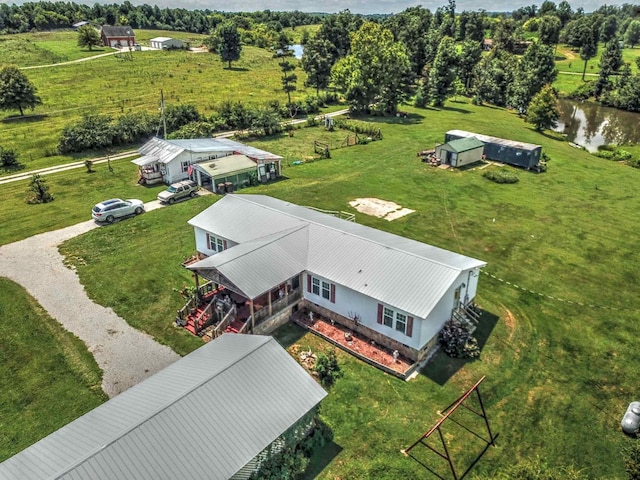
point(125, 355)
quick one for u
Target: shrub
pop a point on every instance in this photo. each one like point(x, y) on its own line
point(457, 341)
point(40, 190)
point(9, 159)
point(584, 91)
point(327, 368)
point(91, 132)
point(501, 175)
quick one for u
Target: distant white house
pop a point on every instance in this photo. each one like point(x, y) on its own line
point(215, 414)
point(166, 43)
point(209, 161)
point(396, 291)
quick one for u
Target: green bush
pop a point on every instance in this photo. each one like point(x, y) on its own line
point(501, 175)
point(457, 341)
point(327, 368)
point(9, 159)
point(584, 91)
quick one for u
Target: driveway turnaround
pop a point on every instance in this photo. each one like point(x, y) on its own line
point(125, 355)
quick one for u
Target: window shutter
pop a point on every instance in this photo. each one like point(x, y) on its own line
point(308, 283)
point(224, 244)
point(208, 242)
point(333, 293)
point(380, 307)
point(409, 326)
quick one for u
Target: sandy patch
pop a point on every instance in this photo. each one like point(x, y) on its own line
point(380, 208)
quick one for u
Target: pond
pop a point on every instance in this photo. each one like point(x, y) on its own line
point(591, 125)
point(297, 50)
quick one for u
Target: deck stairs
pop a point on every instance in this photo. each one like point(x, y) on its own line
point(468, 316)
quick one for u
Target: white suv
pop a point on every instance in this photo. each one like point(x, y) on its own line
point(176, 191)
point(109, 210)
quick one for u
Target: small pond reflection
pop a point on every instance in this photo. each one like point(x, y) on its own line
point(591, 125)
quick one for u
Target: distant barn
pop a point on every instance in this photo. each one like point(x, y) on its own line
point(520, 154)
point(166, 43)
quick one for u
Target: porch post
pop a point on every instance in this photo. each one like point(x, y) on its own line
point(253, 320)
point(197, 281)
point(269, 302)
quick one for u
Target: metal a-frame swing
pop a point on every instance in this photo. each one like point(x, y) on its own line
point(446, 414)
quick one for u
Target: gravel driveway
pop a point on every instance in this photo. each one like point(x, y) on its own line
point(125, 355)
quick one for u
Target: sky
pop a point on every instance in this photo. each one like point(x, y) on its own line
point(356, 6)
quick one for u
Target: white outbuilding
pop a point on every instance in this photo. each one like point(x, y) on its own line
point(166, 43)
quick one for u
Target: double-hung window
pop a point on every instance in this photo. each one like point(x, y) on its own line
point(401, 322)
point(316, 286)
point(388, 317)
point(326, 290)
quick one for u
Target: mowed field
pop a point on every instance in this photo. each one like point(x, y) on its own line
point(560, 293)
point(121, 83)
point(560, 290)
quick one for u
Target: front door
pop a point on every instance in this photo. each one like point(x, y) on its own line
point(456, 298)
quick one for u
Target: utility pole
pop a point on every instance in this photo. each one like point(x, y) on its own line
point(164, 120)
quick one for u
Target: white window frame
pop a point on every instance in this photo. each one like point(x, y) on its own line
point(315, 286)
point(326, 290)
point(387, 317)
point(401, 322)
point(185, 166)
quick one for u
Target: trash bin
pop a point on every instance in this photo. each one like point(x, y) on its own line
point(228, 187)
point(221, 188)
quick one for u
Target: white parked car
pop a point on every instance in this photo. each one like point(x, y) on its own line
point(109, 210)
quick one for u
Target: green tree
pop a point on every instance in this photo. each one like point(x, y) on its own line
point(610, 63)
point(229, 47)
point(564, 12)
point(88, 37)
point(543, 109)
point(377, 73)
point(39, 190)
point(535, 70)
point(9, 159)
point(470, 54)
point(316, 62)
point(443, 73)
point(288, 79)
point(632, 35)
point(16, 91)
point(549, 30)
point(589, 45)
point(493, 76)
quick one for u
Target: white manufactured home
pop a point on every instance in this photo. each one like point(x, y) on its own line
point(397, 291)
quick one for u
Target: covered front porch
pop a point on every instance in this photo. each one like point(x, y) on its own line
point(219, 307)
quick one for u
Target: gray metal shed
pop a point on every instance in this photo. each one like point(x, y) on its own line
point(210, 415)
point(521, 154)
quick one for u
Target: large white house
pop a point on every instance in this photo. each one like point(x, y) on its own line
point(209, 161)
point(397, 291)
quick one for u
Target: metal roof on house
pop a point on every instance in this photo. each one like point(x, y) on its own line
point(398, 271)
point(167, 150)
point(496, 140)
point(204, 417)
point(251, 266)
point(145, 160)
point(117, 31)
point(163, 150)
point(465, 144)
point(224, 166)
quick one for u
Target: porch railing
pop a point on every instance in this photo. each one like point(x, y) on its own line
point(192, 303)
point(199, 324)
point(280, 304)
point(224, 323)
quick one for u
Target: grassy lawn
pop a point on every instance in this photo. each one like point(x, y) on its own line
point(47, 376)
point(121, 83)
point(559, 374)
point(75, 193)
